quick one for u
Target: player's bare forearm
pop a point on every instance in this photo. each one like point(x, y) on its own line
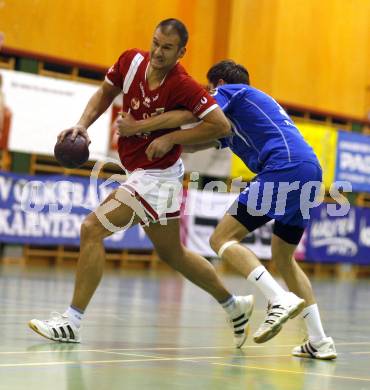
point(199, 147)
point(98, 104)
point(128, 126)
point(215, 125)
point(167, 120)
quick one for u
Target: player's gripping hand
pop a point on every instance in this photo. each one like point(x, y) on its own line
point(126, 125)
point(75, 130)
point(159, 147)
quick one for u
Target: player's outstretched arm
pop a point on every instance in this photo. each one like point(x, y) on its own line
point(128, 126)
point(97, 104)
point(214, 126)
point(199, 147)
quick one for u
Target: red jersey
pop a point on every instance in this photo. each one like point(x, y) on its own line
point(177, 91)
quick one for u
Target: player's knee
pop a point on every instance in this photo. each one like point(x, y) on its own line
point(91, 228)
point(218, 239)
point(214, 241)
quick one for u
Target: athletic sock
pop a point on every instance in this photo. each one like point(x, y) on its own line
point(231, 307)
point(311, 317)
point(75, 315)
point(263, 280)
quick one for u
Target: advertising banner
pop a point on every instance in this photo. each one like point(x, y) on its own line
point(323, 140)
point(49, 209)
point(44, 106)
point(204, 209)
point(339, 239)
point(353, 160)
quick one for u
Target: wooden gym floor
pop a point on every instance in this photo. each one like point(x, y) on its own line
point(154, 330)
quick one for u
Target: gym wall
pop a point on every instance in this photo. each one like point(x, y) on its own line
point(312, 53)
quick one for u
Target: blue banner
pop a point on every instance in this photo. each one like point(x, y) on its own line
point(49, 209)
point(339, 239)
point(353, 160)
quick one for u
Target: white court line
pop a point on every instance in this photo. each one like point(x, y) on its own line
point(163, 348)
point(79, 362)
point(134, 354)
point(185, 359)
point(116, 350)
point(293, 372)
point(202, 357)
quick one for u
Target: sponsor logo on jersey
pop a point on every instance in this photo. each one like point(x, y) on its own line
point(202, 102)
point(135, 103)
point(142, 89)
point(147, 101)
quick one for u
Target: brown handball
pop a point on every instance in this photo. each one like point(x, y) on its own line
point(72, 154)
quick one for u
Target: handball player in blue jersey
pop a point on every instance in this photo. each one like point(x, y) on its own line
point(288, 178)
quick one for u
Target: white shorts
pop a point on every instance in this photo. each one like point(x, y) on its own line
point(158, 190)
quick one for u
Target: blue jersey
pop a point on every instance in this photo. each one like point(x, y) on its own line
point(264, 136)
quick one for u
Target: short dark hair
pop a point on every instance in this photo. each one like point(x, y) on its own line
point(229, 71)
point(180, 28)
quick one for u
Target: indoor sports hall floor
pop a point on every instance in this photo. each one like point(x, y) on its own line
point(154, 330)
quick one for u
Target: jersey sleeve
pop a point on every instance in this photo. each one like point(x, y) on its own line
point(222, 143)
point(117, 72)
point(192, 96)
point(221, 100)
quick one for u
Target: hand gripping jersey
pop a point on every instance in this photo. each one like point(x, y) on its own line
point(177, 90)
point(264, 136)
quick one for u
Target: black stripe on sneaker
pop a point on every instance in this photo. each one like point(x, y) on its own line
point(240, 324)
point(239, 331)
point(307, 350)
point(63, 332)
point(312, 347)
point(56, 335)
point(71, 334)
point(238, 318)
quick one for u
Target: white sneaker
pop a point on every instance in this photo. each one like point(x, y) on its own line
point(278, 312)
point(240, 323)
point(57, 328)
point(323, 349)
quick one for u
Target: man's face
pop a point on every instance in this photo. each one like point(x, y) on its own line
point(165, 50)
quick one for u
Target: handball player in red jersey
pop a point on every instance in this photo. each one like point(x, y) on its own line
point(152, 83)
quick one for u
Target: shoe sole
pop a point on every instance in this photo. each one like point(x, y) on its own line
point(272, 332)
point(297, 310)
point(35, 329)
point(308, 356)
point(247, 327)
point(269, 334)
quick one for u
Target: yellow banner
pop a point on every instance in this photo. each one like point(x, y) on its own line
point(323, 140)
point(238, 169)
